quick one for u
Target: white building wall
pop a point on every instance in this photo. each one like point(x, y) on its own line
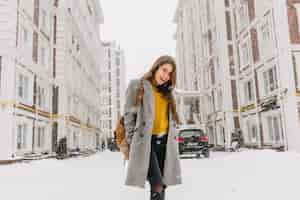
point(27, 30)
point(18, 58)
point(78, 72)
point(113, 86)
point(291, 125)
point(200, 25)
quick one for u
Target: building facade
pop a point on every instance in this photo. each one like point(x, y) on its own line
point(267, 73)
point(112, 87)
point(207, 72)
point(77, 46)
point(37, 75)
point(26, 77)
point(247, 53)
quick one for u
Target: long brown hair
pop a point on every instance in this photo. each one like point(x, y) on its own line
point(150, 77)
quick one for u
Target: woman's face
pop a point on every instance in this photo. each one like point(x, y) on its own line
point(163, 74)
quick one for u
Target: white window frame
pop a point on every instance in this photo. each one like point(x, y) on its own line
point(23, 87)
point(220, 134)
point(42, 96)
point(245, 89)
point(220, 100)
point(41, 136)
point(22, 132)
point(27, 98)
point(251, 130)
point(243, 20)
point(245, 52)
point(266, 88)
point(44, 19)
point(269, 135)
point(43, 56)
point(24, 35)
point(266, 45)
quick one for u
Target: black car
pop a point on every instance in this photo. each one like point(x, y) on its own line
point(193, 141)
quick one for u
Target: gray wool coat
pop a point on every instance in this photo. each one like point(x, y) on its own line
point(138, 126)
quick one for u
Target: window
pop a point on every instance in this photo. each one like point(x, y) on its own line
point(23, 85)
point(270, 80)
point(21, 136)
point(248, 92)
point(75, 140)
point(243, 14)
point(274, 128)
point(43, 57)
point(75, 105)
point(24, 35)
point(208, 15)
point(245, 53)
point(40, 137)
point(266, 32)
point(251, 131)
point(267, 41)
point(44, 19)
point(73, 40)
point(220, 100)
point(109, 77)
point(118, 61)
point(109, 53)
point(41, 97)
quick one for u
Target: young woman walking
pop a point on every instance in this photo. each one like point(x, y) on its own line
point(150, 120)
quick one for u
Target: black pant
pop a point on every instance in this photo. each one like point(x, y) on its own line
point(157, 159)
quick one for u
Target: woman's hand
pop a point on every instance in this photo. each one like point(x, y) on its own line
point(125, 149)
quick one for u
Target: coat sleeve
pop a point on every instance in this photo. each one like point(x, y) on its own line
point(130, 110)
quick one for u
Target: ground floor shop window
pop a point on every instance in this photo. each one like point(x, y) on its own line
point(21, 136)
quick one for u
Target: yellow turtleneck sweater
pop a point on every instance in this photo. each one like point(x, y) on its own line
point(161, 111)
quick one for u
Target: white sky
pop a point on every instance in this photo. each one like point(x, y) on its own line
point(143, 28)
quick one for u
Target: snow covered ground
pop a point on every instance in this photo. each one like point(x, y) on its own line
point(225, 176)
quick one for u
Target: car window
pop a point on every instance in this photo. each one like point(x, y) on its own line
point(189, 133)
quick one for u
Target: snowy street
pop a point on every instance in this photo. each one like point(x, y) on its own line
point(225, 176)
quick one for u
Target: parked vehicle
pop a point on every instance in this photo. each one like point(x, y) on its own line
point(112, 145)
point(193, 141)
point(62, 150)
point(237, 140)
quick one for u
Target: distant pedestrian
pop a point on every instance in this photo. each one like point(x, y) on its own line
point(150, 120)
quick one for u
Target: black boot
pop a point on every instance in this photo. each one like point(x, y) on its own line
point(155, 195)
point(162, 195)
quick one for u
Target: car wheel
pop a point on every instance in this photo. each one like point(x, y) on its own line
point(198, 155)
point(206, 153)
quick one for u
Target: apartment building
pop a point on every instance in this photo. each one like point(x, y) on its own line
point(247, 68)
point(113, 87)
point(77, 46)
point(207, 72)
point(266, 39)
point(41, 65)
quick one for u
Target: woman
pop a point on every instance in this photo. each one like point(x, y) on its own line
point(150, 122)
